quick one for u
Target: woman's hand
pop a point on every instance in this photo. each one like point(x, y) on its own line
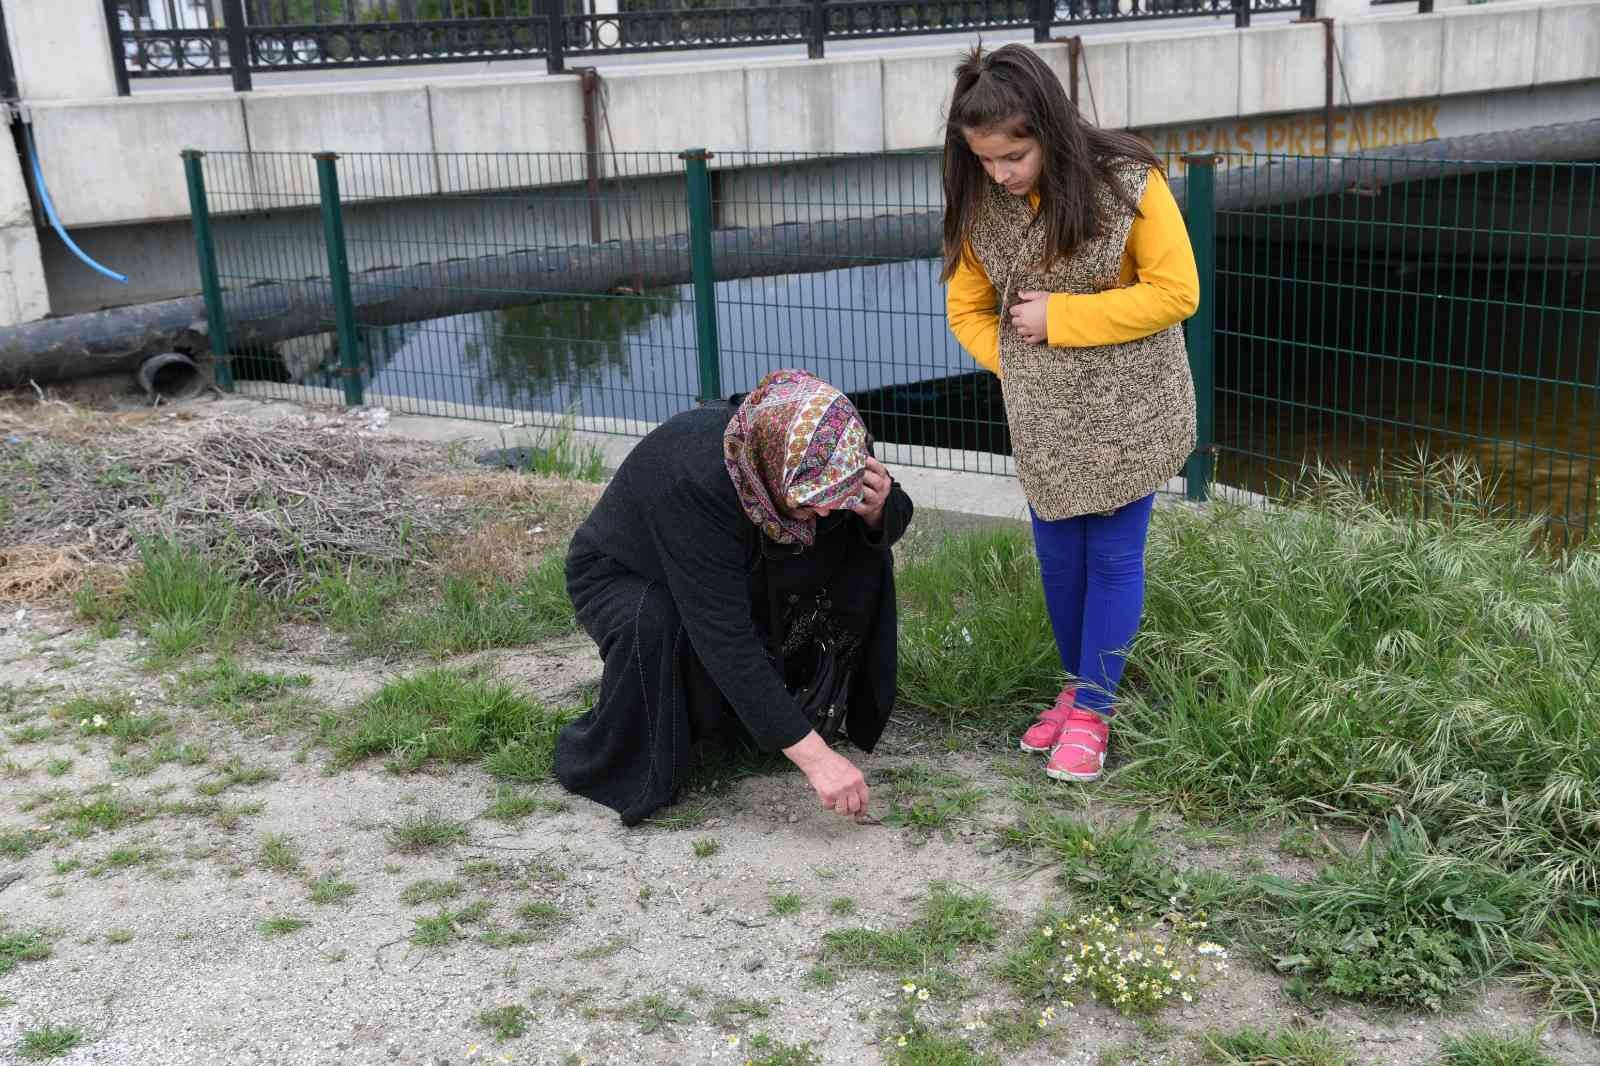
point(838, 784)
point(1030, 316)
point(875, 486)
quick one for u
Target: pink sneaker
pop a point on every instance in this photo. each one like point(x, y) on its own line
point(1041, 735)
point(1080, 751)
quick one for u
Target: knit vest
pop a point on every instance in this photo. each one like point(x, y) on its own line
point(1092, 429)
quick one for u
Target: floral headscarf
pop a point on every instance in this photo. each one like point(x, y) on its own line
point(798, 440)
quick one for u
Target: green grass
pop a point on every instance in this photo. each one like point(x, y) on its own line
point(926, 801)
point(656, 1013)
point(505, 1023)
point(1565, 966)
point(924, 1048)
point(283, 925)
point(975, 640)
point(428, 831)
point(445, 715)
point(254, 700)
point(556, 452)
point(127, 858)
point(425, 891)
point(843, 906)
point(706, 847)
point(383, 615)
point(1350, 656)
point(950, 920)
point(784, 904)
point(328, 889)
point(49, 1041)
point(235, 773)
point(765, 1051)
point(1404, 922)
point(279, 853)
point(1489, 1049)
point(116, 716)
point(437, 930)
point(512, 804)
point(183, 601)
point(98, 813)
point(20, 843)
point(119, 936)
point(737, 1012)
point(21, 946)
point(542, 917)
point(1296, 1047)
point(32, 733)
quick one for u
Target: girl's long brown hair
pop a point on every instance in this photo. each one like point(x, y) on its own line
point(1011, 89)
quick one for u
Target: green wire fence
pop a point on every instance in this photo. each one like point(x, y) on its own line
point(1354, 311)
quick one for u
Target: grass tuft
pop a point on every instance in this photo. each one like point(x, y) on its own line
point(950, 920)
point(505, 1023)
point(1297, 1047)
point(428, 831)
point(454, 716)
point(1491, 1049)
point(49, 1041)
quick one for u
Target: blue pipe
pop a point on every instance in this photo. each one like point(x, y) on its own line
point(55, 220)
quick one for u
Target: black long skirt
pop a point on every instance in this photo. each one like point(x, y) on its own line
point(632, 751)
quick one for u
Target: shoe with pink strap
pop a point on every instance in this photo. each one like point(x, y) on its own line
point(1080, 750)
point(1041, 735)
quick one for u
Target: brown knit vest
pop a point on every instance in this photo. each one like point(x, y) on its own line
point(1092, 429)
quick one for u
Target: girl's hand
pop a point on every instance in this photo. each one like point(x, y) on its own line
point(1030, 316)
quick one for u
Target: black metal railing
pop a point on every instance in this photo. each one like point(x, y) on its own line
point(8, 77)
point(176, 38)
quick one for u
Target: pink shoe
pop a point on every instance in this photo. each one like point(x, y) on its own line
point(1041, 735)
point(1080, 751)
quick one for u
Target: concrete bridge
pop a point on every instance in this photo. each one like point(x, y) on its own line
point(1370, 78)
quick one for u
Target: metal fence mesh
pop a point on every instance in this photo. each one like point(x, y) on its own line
point(1367, 311)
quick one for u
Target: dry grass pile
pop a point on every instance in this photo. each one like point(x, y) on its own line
point(272, 496)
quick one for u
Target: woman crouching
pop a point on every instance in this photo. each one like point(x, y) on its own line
point(737, 577)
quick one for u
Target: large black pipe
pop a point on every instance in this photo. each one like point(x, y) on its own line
point(118, 340)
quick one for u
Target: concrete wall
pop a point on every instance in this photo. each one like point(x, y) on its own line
point(23, 292)
point(60, 49)
point(116, 160)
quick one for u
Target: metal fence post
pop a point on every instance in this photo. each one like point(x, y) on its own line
point(1201, 329)
point(816, 40)
point(1241, 13)
point(238, 44)
point(344, 309)
point(119, 50)
point(1044, 17)
point(206, 250)
point(705, 277)
point(555, 48)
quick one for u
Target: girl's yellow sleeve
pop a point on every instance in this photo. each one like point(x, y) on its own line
point(973, 311)
point(1164, 289)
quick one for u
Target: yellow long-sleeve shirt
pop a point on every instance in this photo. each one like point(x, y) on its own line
point(1160, 288)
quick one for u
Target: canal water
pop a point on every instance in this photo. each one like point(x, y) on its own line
point(1366, 377)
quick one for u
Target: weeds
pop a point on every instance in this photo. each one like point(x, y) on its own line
point(784, 904)
point(279, 853)
point(656, 1013)
point(1296, 1047)
point(254, 700)
point(454, 716)
point(843, 906)
point(706, 847)
point(283, 925)
point(950, 920)
point(234, 773)
point(183, 601)
point(505, 1023)
point(21, 946)
point(437, 930)
point(975, 640)
point(1566, 967)
point(20, 843)
point(735, 1012)
point(1489, 1049)
point(328, 889)
point(1134, 967)
point(428, 831)
point(926, 801)
point(49, 1041)
point(420, 892)
point(116, 716)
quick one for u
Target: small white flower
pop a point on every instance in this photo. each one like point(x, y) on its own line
point(733, 1041)
point(966, 634)
point(922, 994)
point(908, 988)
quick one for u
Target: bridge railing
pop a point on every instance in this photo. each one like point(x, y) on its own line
point(197, 38)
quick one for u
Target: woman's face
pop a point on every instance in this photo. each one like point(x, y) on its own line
point(1011, 162)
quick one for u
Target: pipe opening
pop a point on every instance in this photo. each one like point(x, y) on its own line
point(171, 376)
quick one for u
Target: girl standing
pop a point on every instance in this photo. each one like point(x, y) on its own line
point(1069, 271)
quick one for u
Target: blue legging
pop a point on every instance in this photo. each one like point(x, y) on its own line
point(1093, 572)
